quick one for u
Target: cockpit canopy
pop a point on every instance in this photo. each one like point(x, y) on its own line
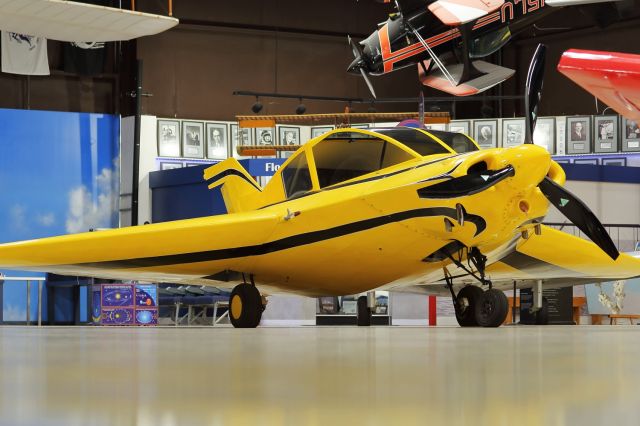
point(345, 155)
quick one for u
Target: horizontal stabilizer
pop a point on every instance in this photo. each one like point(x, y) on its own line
point(458, 12)
point(240, 191)
point(492, 76)
point(614, 78)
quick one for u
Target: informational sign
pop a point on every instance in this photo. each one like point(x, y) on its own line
point(125, 304)
point(559, 305)
point(146, 304)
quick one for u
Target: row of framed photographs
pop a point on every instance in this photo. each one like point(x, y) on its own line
point(218, 140)
point(595, 161)
point(171, 164)
point(577, 135)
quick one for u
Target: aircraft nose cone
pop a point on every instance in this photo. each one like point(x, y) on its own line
point(354, 66)
point(530, 162)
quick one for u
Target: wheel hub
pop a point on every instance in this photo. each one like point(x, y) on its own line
point(236, 307)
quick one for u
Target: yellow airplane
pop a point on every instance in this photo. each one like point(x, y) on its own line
point(355, 210)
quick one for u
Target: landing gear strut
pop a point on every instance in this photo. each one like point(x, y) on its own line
point(473, 306)
point(245, 306)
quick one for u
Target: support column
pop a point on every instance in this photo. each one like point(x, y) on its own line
point(433, 312)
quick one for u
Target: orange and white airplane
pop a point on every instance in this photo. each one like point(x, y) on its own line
point(446, 39)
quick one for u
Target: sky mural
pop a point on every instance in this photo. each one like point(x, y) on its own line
point(58, 175)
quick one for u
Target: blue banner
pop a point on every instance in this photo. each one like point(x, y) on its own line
point(262, 166)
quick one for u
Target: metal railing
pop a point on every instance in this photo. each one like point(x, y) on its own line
point(29, 280)
point(624, 236)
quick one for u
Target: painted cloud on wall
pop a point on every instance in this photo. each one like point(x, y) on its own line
point(94, 209)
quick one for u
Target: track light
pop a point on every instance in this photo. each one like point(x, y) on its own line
point(256, 107)
point(301, 108)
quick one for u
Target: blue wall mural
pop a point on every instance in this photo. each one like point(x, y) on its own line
point(59, 174)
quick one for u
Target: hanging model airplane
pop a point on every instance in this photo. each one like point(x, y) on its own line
point(355, 210)
point(445, 38)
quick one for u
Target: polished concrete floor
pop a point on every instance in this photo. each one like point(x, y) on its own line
point(587, 375)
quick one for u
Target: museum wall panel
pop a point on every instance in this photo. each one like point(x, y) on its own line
point(193, 71)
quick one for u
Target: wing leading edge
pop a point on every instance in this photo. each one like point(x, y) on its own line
point(559, 257)
point(166, 252)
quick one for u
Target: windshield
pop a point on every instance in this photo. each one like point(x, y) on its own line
point(418, 141)
point(346, 155)
point(459, 142)
point(489, 43)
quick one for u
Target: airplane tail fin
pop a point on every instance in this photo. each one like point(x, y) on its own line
point(239, 189)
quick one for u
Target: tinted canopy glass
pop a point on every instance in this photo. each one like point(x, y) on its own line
point(418, 141)
point(343, 156)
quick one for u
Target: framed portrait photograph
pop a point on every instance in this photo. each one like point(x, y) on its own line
point(485, 132)
point(544, 134)
point(239, 136)
point(605, 133)
point(437, 126)
point(288, 135)
point(168, 138)
point(320, 130)
point(217, 141)
point(617, 161)
point(192, 139)
point(170, 165)
point(589, 161)
point(513, 132)
point(630, 136)
point(460, 126)
point(265, 136)
point(579, 135)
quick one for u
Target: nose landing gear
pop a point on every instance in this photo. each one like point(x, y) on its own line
point(473, 306)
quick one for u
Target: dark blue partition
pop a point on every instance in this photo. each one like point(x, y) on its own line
point(183, 194)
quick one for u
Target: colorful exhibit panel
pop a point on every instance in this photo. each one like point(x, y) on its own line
point(125, 304)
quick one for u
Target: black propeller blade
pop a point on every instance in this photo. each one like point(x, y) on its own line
point(568, 204)
point(579, 214)
point(358, 63)
point(533, 95)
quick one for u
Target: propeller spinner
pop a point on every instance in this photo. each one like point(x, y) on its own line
point(359, 65)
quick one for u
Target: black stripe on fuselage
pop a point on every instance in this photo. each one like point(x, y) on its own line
point(233, 172)
point(286, 243)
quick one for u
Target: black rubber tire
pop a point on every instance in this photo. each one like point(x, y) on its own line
point(245, 306)
point(492, 308)
point(466, 316)
point(542, 316)
point(364, 313)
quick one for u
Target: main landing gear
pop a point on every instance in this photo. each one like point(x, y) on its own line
point(475, 307)
point(245, 306)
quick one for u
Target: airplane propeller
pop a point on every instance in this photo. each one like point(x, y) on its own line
point(568, 204)
point(358, 63)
